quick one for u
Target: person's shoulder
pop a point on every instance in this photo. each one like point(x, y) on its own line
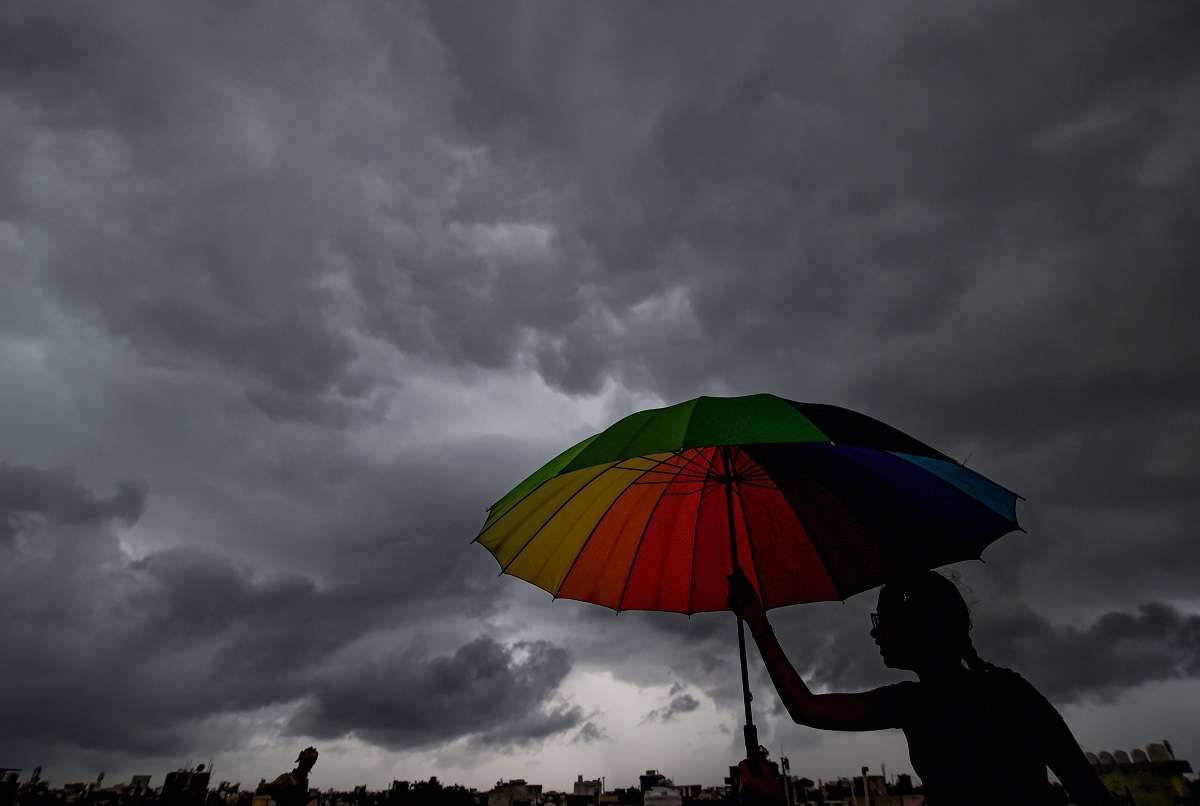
point(1003, 677)
point(1015, 689)
point(900, 690)
point(899, 694)
point(895, 702)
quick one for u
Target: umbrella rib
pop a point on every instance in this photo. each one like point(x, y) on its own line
point(635, 467)
point(520, 501)
point(595, 526)
point(696, 540)
point(686, 478)
point(684, 471)
point(687, 428)
point(816, 547)
point(816, 550)
point(638, 551)
point(638, 432)
point(538, 531)
point(508, 511)
point(677, 474)
point(960, 490)
point(749, 542)
point(919, 504)
point(755, 485)
point(699, 467)
point(539, 485)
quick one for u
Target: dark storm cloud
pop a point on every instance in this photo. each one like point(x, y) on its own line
point(589, 733)
point(842, 185)
point(1117, 651)
point(260, 226)
point(841, 177)
point(141, 656)
point(499, 695)
point(57, 496)
point(128, 656)
point(680, 704)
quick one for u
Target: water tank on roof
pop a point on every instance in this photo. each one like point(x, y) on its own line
point(1140, 757)
point(1158, 752)
point(1092, 759)
point(1106, 758)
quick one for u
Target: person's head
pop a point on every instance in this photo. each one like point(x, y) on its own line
point(306, 759)
point(922, 621)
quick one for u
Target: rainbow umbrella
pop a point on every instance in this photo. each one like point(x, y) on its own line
point(812, 501)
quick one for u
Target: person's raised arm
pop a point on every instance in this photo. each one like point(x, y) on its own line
point(1066, 760)
point(871, 710)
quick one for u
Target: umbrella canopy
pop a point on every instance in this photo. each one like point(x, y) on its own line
point(822, 503)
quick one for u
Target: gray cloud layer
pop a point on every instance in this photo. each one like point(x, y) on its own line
point(495, 693)
point(281, 267)
point(141, 656)
point(28, 494)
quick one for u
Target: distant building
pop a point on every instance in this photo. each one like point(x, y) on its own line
point(185, 787)
point(850, 792)
point(662, 796)
point(652, 778)
point(9, 777)
point(591, 788)
point(586, 793)
point(631, 796)
point(515, 793)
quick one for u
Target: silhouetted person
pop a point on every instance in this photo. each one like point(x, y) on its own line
point(291, 788)
point(977, 733)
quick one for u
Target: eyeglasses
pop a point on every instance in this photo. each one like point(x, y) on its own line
point(875, 621)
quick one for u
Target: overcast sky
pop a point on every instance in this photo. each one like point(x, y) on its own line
point(290, 294)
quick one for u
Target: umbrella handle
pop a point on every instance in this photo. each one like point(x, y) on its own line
point(749, 730)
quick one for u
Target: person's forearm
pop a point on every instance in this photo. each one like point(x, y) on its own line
point(791, 687)
point(1088, 790)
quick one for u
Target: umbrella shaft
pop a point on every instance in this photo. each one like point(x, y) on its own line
point(751, 733)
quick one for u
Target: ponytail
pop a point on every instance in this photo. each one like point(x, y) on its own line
point(973, 661)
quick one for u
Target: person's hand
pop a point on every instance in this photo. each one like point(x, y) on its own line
point(759, 781)
point(744, 601)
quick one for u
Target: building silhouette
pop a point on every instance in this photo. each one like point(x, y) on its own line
point(1150, 777)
